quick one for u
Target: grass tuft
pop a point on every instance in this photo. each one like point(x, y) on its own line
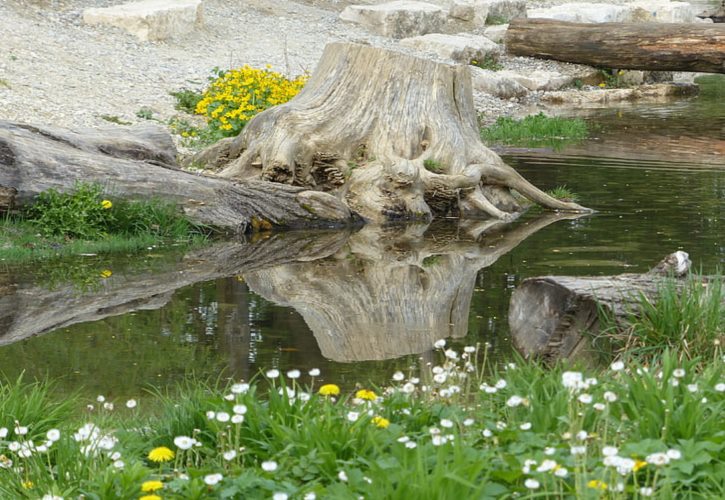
point(535, 130)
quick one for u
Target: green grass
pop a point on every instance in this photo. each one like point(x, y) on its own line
point(488, 62)
point(563, 193)
point(712, 86)
point(689, 318)
point(186, 100)
point(482, 432)
point(535, 130)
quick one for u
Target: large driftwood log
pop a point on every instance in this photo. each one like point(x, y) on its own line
point(555, 317)
point(393, 135)
point(646, 46)
point(387, 294)
point(140, 162)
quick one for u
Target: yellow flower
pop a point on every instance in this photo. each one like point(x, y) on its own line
point(150, 497)
point(366, 394)
point(620, 72)
point(602, 85)
point(106, 204)
point(28, 485)
point(381, 422)
point(161, 454)
point(329, 390)
point(148, 486)
point(638, 464)
point(596, 484)
point(106, 273)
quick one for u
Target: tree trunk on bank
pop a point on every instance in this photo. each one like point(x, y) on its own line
point(645, 46)
point(140, 162)
point(394, 136)
point(554, 317)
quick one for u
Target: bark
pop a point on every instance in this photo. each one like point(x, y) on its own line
point(554, 317)
point(364, 128)
point(140, 162)
point(388, 294)
point(32, 307)
point(645, 46)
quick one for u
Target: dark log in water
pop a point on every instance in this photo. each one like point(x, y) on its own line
point(646, 46)
point(553, 317)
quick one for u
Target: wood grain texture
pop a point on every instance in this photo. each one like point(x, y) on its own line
point(643, 46)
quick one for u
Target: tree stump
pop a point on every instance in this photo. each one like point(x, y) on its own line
point(394, 136)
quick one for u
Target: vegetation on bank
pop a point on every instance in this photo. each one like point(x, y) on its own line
point(628, 432)
point(232, 98)
point(85, 221)
point(535, 130)
point(642, 427)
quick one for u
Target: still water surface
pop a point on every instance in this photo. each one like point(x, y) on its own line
point(362, 305)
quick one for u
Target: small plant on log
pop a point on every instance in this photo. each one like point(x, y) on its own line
point(563, 193)
point(489, 62)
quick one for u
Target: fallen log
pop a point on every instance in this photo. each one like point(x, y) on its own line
point(554, 317)
point(645, 46)
point(140, 162)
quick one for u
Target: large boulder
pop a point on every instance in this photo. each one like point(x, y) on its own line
point(462, 47)
point(658, 11)
point(150, 19)
point(497, 32)
point(398, 19)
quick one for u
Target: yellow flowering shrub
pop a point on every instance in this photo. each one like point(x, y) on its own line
point(235, 96)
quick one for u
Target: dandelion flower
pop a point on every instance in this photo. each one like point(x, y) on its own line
point(674, 454)
point(446, 423)
point(229, 455)
point(398, 376)
point(151, 486)
point(596, 484)
point(610, 397)
point(342, 476)
point(239, 409)
point(638, 464)
point(381, 422)
point(525, 426)
point(240, 388)
point(646, 491)
point(366, 394)
point(21, 430)
point(237, 419)
point(617, 366)
point(150, 497)
point(439, 344)
point(280, 496)
point(411, 445)
point(273, 373)
point(161, 454)
point(609, 451)
point(720, 387)
point(131, 403)
point(106, 204)
point(315, 372)
point(658, 459)
point(222, 416)
point(293, 374)
point(53, 435)
point(352, 416)
point(561, 471)
point(678, 373)
point(329, 390)
point(514, 401)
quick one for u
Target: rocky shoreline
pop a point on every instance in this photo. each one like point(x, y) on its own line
point(58, 70)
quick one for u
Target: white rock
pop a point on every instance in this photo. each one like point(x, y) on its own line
point(495, 83)
point(583, 13)
point(659, 11)
point(150, 19)
point(462, 47)
point(540, 79)
point(462, 9)
point(504, 10)
point(496, 32)
point(398, 19)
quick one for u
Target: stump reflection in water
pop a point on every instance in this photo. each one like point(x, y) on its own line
point(389, 293)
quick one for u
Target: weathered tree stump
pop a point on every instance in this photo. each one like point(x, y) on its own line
point(140, 162)
point(554, 317)
point(645, 46)
point(394, 136)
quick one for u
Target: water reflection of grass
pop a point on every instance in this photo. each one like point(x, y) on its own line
point(711, 86)
point(536, 131)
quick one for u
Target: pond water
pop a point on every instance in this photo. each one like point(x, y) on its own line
point(362, 305)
